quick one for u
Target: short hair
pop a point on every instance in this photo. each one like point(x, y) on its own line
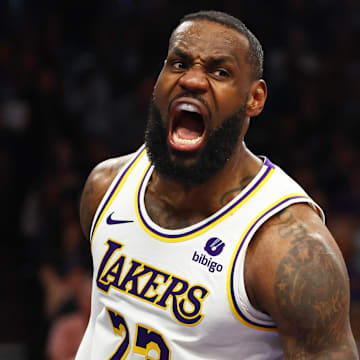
point(255, 56)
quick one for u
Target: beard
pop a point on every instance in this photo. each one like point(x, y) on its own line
point(220, 145)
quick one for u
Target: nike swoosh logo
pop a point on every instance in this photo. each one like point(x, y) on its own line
point(111, 221)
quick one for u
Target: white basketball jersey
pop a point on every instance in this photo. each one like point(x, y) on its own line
point(179, 294)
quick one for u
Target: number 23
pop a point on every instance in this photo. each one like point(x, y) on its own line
point(146, 339)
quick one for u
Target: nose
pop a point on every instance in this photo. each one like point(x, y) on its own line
point(194, 80)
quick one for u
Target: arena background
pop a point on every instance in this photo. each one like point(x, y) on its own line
point(75, 82)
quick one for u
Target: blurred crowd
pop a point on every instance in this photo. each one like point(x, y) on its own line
point(75, 83)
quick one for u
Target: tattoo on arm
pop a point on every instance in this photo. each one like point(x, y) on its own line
point(311, 293)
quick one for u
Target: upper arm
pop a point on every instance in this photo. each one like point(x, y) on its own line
point(296, 273)
point(95, 187)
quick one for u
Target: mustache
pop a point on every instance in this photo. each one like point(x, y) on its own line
point(190, 95)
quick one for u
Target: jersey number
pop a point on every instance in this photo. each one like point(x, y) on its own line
point(148, 342)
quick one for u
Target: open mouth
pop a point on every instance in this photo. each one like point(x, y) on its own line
point(187, 126)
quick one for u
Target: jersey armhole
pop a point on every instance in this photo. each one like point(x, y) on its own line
point(106, 200)
point(239, 300)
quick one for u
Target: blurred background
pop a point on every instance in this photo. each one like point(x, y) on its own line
point(75, 82)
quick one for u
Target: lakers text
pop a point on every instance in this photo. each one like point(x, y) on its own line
point(149, 284)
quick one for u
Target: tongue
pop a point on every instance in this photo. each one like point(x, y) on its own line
point(189, 128)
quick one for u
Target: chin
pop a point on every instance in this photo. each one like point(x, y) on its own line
point(184, 158)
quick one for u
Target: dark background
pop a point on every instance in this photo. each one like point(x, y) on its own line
point(75, 82)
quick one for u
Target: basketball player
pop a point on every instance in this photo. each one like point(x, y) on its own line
point(201, 249)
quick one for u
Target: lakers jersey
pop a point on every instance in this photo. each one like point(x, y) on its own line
point(179, 294)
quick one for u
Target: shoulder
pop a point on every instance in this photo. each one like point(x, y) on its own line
point(95, 187)
point(294, 240)
point(296, 273)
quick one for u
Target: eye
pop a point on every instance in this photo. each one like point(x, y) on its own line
point(222, 73)
point(179, 65)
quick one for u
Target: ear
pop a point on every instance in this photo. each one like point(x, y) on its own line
point(257, 98)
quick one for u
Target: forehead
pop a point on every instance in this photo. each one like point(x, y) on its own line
point(207, 38)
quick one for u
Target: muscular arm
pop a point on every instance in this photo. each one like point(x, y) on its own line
point(95, 187)
point(296, 273)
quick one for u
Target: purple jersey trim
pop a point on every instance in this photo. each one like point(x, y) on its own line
point(267, 163)
point(243, 241)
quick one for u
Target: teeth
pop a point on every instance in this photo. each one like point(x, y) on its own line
point(186, 141)
point(188, 107)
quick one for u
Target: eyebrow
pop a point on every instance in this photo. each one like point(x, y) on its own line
point(212, 60)
point(182, 54)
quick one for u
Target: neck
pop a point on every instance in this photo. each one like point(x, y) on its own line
point(174, 205)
